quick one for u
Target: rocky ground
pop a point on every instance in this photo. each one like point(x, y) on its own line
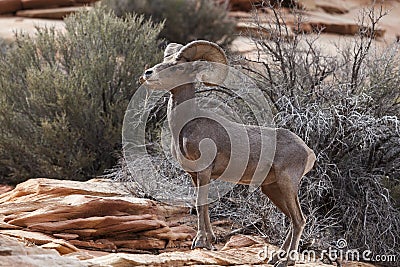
point(45, 222)
point(337, 18)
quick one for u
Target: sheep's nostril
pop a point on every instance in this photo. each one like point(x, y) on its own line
point(148, 72)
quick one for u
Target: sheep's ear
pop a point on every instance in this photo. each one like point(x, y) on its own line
point(202, 50)
point(171, 50)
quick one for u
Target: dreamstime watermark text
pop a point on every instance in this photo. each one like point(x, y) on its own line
point(339, 252)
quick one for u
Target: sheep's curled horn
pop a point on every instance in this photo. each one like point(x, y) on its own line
point(202, 50)
point(205, 51)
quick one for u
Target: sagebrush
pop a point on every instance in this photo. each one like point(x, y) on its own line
point(185, 20)
point(63, 95)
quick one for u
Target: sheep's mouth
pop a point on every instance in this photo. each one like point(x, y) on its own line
point(149, 82)
point(145, 78)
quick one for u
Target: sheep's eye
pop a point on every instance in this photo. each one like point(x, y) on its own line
point(148, 72)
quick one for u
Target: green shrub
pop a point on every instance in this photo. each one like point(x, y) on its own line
point(4, 45)
point(63, 95)
point(185, 20)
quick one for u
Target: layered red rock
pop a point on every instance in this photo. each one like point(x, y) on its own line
point(29, 4)
point(50, 13)
point(13, 252)
point(97, 223)
point(46, 9)
point(97, 214)
point(243, 5)
point(248, 5)
point(239, 251)
point(339, 7)
point(5, 188)
point(10, 6)
point(242, 251)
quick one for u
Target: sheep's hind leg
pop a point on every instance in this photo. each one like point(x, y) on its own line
point(284, 195)
point(274, 193)
point(204, 235)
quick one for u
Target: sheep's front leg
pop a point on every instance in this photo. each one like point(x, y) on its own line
point(204, 235)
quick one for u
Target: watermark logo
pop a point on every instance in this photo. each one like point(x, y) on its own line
point(341, 243)
point(338, 252)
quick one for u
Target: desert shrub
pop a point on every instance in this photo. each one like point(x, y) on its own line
point(185, 20)
point(346, 108)
point(4, 45)
point(63, 94)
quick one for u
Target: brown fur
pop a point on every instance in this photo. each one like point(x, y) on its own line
point(292, 159)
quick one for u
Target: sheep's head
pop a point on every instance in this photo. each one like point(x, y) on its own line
point(182, 63)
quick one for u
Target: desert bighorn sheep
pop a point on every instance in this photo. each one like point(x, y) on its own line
point(291, 160)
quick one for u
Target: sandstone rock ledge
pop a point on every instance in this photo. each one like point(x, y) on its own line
point(17, 253)
point(45, 222)
point(96, 215)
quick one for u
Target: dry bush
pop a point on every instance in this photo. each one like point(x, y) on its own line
point(347, 110)
point(346, 107)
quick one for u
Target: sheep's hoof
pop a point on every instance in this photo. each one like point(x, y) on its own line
point(273, 260)
point(201, 241)
point(281, 263)
point(280, 259)
point(212, 237)
point(277, 257)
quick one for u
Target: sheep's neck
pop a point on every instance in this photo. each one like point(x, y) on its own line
point(178, 96)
